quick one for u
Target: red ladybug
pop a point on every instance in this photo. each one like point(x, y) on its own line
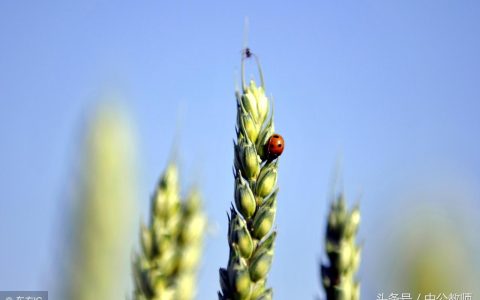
point(275, 146)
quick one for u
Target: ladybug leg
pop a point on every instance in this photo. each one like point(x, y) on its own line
point(271, 157)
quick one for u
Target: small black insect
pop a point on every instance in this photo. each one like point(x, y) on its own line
point(247, 52)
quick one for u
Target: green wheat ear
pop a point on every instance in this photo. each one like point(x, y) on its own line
point(101, 237)
point(250, 234)
point(171, 244)
point(338, 275)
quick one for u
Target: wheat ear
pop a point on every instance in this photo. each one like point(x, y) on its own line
point(250, 235)
point(101, 237)
point(338, 276)
point(171, 244)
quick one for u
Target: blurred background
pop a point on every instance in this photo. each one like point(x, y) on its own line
point(389, 88)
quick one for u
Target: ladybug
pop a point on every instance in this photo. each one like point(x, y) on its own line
point(275, 146)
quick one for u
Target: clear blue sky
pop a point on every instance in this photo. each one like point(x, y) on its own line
point(392, 87)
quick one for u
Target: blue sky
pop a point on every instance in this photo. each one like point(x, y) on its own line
point(390, 87)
